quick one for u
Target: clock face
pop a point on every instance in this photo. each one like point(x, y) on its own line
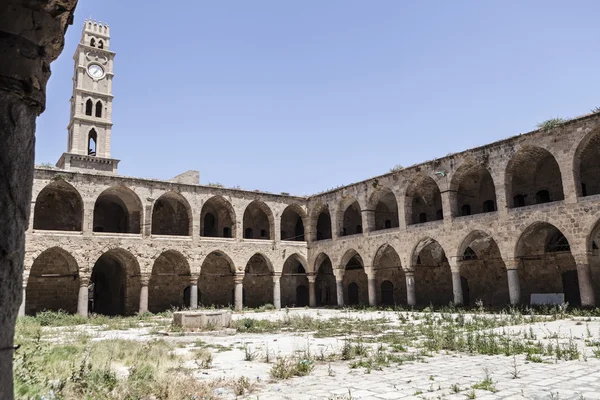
point(95, 71)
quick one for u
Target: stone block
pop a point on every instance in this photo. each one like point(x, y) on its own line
point(213, 319)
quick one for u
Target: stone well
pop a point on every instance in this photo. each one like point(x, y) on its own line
point(211, 319)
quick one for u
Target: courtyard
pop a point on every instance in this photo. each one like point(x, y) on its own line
point(300, 353)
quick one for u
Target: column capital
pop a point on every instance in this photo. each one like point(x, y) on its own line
point(512, 263)
point(582, 258)
point(311, 278)
point(193, 278)
point(84, 280)
point(455, 264)
point(238, 277)
point(144, 279)
point(410, 271)
point(276, 277)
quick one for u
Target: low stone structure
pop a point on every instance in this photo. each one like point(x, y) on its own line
point(493, 224)
point(205, 319)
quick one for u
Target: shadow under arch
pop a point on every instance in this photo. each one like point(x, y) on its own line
point(58, 207)
point(168, 282)
point(118, 209)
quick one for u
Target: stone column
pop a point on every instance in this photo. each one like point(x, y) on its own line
point(339, 289)
point(238, 281)
point(82, 298)
point(411, 298)
point(456, 281)
point(448, 199)
point(372, 288)
point(23, 300)
point(584, 276)
point(277, 291)
point(312, 295)
point(87, 225)
point(369, 218)
point(144, 295)
point(193, 292)
point(514, 287)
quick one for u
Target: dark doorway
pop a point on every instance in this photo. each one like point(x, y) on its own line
point(108, 280)
point(387, 293)
point(187, 296)
point(464, 283)
point(210, 225)
point(571, 288)
point(301, 296)
point(353, 294)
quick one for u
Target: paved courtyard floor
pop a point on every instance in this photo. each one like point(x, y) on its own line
point(396, 361)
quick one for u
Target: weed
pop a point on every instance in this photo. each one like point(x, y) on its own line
point(249, 355)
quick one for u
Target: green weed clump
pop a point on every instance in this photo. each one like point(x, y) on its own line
point(285, 368)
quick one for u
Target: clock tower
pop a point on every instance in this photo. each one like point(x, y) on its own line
point(90, 122)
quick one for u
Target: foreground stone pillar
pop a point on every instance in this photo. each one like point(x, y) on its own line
point(514, 286)
point(457, 288)
point(312, 294)
point(277, 291)
point(194, 295)
point(584, 276)
point(82, 298)
point(31, 36)
point(238, 281)
point(411, 298)
point(23, 301)
point(372, 288)
point(144, 296)
point(339, 289)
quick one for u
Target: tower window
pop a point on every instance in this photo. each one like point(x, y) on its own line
point(92, 138)
point(98, 109)
point(88, 107)
point(93, 42)
point(100, 44)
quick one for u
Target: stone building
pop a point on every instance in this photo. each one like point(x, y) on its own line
point(496, 223)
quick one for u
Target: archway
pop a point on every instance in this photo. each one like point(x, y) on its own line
point(321, 222)
point(258, 221)
point(483, 271)
point(258, 282)
point(533, 177)
point(385, 207)
point(473, 190)
point(171, 215)
point(294, 277)
point(217, 218)
point(115, 284)
point(546, 263)
point(53, 282)
point(355, 281)
point(118, 209)
point(433, 278)
point(292, 223)
point(423, 201)
point(325, 286)
point(390, 278)
point(216, 286)
point(349, 215)
point(58, 207)
point(169, 279)
point(586, 165)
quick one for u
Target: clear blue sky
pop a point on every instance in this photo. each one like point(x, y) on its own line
point(303, 96)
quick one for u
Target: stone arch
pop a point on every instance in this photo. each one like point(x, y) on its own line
point(389, 276)
point(384, 206)
point(115, 283)
point(172, 215)
point(325, 283)
point(321, 223)
point(258, 281)
point(483, 272)
point(118, 209)
point(170, 276)
point(350, 217)
point(53, 282)
point(433, 277)
point(546, 264)
point(586, 165)
point(293, 277)
point(292, 223)
point(258, 221)
point(217, 218)
point(423, 201)
point(216, 285)
point(472, 190)
point(355, 280)
point(531, 172)
point(58, 207)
